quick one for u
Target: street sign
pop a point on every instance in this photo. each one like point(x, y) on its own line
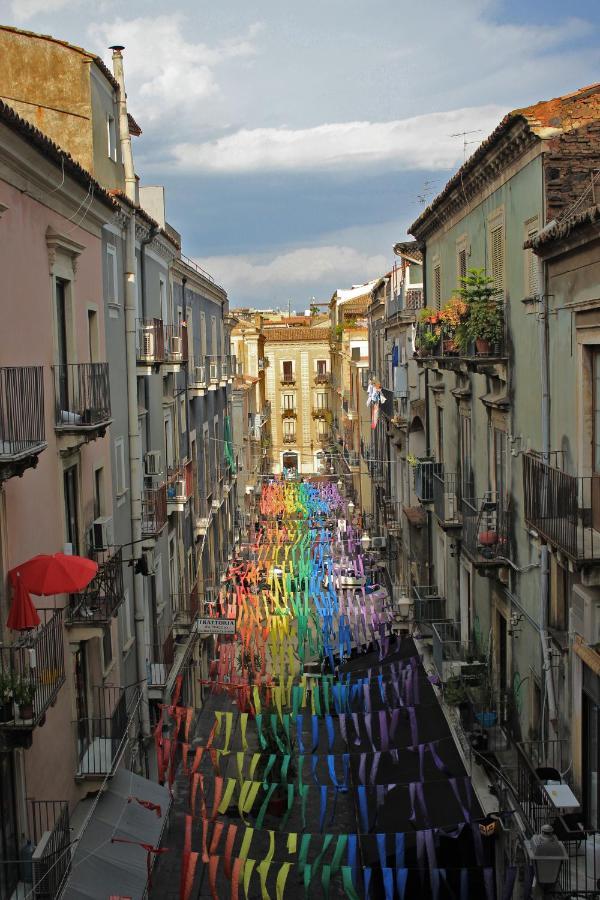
point(213, 625)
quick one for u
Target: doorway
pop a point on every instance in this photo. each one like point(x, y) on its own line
point(71, 510)
point(9, 837)
point(466, 617)
point(81, 697)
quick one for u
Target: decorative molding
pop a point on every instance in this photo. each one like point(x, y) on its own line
point(56, 242)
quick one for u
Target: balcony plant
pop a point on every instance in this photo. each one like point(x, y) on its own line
point(7, 687)
point(452, 316)
point(429, 331)
point(484, 320)
point(24, 693)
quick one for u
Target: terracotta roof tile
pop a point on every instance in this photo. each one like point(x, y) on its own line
point(297, 334)
point(561, 230)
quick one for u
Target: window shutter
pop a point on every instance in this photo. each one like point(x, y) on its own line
point(531, 263)
point(462, 263)
point(497, 258)
point(437, 286)
point(111, 275)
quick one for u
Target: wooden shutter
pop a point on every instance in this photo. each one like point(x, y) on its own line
point(497, 258)
point(531, 260)
point(437, 286)
point(462, 263)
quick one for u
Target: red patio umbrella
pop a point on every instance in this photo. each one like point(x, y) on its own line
point(22, 615)
point(56, 574)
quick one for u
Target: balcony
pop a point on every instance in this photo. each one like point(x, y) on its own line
point(324, 378)
point(393, 516)
point(288, 380)
point(95, 606)
point(486, 530)
point(32, 671)
point(289, 439)
point(82, 400)
point(22, 427)
point(437, 350)
point(424, 471)
point(176, 347)
point(197, 383)
point(154, 510)
point(446, 498)
point(50, 834)
point(213, 370)
point(99, 737)
point(414, 299)
point(321, 412)
point(180, 486)
point(202, 516)
point(563, 509)
point(453, 657)
point(150, 341)
point(429, 606)
point(352, 459)
point(159, 660)
point(290, 413)
point(186, 606)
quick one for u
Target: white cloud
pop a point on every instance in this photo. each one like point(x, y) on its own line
point(267, 275)
point(27, 9)
point(421, 142)
point(166, 70)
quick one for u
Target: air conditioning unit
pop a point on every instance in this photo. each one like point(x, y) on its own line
point(152, 463)
point(148, 344)
point(101, 533)
point(180, 489)
point(175, 346)
point(584, 613)
point(378, 543)
point(199, 376)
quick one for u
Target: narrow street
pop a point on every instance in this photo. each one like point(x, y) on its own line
point(322, 759)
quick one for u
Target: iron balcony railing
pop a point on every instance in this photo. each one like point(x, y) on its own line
point(424, 472)
point(446, 496)
point(288, 379)
point(323, 378)
point(101, 599)
point(175, 343)
point(186, 605)
point(321, 412)
point(413, 298)
point(180, 482)
point(22, 428)
point(159, 658)
point(429, 606)
point(81, 396)
point(50, 833)
point(289, 439)
point(289, 413)
point(150, 342)
point(564, 509)
point(432, 341)
point(486, 528)
point(99, 735)
point(154, 510)
point(197, 378)
point(453, 656)
point(32, 671)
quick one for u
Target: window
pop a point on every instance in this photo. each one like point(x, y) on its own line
point(213, 336)
point(93, 338)
point(289, 428)
point(558, 611)
point(169, 448)
point(289, 401)
point(500, 464)
point(162, 290)
point(107, 648)
point(71, 508)
point(440, 434)
point(437, 286)
point(182, 413)
point(321, 428)
point(531, 260)
point(98, 492)
point(466, 478)
point(462, 253)
point(126, 619)
point(322, 401)
point(596, 411)
point(202, 337)
point(321, 367)
point(462, 264)
point(496, 252)
point(112, 284)
point(288, 371)
point(111, 137)
point(120, 482)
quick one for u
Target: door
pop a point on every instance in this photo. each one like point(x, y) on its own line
point(71, 508)
point(591, 760)
point(466, 621)
point(9, 840)
point(61, 335)
point(81, 698)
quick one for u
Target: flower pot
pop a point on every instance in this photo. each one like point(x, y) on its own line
point(6, 711)
point(26, 710)
point(483, 347)
point(487, 538)
point(448, 346)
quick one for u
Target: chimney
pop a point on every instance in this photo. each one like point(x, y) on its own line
point(125, 137)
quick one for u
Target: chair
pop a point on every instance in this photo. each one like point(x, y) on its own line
point(546, 774)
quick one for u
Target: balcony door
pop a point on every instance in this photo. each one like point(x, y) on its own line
point(9, 836)
point(590, 748)
point(62, 344)
point(71, 508)
point(595, 499)
point(81, 697)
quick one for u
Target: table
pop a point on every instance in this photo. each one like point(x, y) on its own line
point(561, 796)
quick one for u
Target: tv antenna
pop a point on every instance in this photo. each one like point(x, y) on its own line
point(466, 143)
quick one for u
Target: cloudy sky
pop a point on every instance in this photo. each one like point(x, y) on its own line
point(297, 141)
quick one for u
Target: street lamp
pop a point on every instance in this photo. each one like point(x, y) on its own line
point(339, 484)
point(547, 855)
point(350, 507)
point(365, 541)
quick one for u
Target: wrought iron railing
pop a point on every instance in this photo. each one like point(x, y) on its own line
point(413, 298)
point(213, 368)
point(180, 482)
point(159, 657)
point(154, 510)
point(288, 379)
point(22, 429)
point(151, 348)
point(99, 736)
point(100, 600)
point(32, 671)
point(433, 341)
point(424, 472)
point(323, 378)
point(486, 528)
point(446, 495)
point(50, 832)
point(289, 439)
point(81, 395)
point(429, 606)
point(564, 509)
point(452, 653)
point(176, 343)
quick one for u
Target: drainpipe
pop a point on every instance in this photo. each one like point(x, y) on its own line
point(544, 560)
point(135, 444)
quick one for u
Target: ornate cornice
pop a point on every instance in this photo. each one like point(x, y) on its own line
point(56, 242)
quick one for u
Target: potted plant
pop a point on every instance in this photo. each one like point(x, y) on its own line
point(452, 316)
point(484, 320)
point(24, 694)
point(429, 331)
point(7, 685)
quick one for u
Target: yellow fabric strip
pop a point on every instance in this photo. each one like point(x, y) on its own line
point(227, 795)
point(281, 880)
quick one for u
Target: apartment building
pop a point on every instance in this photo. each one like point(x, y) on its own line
point(131, 350)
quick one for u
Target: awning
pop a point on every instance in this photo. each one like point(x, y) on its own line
point(101, 868)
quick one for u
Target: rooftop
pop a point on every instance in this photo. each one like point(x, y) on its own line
point(558, 231)
point(410, 250)
point(297, 334)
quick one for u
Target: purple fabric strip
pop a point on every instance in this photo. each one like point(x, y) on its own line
point(374, 768)
point(510, 878)
point(369, 727)
point(383, 730)
point(414, 730)
point(362, 769)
